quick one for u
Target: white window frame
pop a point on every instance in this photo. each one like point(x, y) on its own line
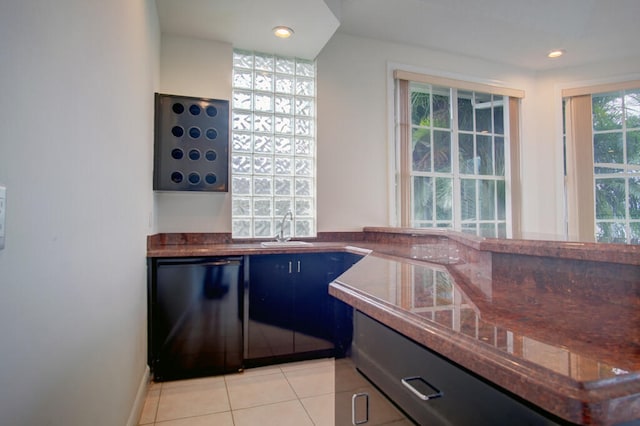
point(512, 182)
point(580, 177)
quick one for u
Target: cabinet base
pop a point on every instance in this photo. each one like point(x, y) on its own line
point(281, 359)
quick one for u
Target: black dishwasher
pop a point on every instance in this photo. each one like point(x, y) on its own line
point(195, 316)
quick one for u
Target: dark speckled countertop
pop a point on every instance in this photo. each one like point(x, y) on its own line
point(555, 323)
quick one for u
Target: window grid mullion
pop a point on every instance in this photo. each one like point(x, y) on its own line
point(494, 168)
point(434, 186)
point(455, 155)
point(476, 171)
point(627, 193)
point(455, 177)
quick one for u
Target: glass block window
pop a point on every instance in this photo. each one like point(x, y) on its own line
point(273, 150)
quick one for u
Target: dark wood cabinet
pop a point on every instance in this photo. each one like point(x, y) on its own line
point(291, 314)
point(424, 387)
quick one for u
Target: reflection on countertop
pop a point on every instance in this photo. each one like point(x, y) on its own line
point(563, 331)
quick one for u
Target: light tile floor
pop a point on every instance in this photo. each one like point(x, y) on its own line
point(288, 394)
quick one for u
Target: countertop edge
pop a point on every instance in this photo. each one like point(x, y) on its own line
point(204, 244)
point(237, 249)
point(606, 404)
point(589, 251)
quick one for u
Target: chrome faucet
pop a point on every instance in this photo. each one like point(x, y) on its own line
point(280, 237)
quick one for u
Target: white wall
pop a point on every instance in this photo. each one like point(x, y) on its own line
point(192, 67)
point(353, 130)
point(76, 138)
point(352, 133)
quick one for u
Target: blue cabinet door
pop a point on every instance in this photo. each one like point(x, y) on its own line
point(290, 310)
point(270, 326)
point(313, 306)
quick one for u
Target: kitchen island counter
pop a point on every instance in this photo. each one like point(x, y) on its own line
point(554, 323)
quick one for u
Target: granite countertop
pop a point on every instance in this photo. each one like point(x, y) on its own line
point(555, 323)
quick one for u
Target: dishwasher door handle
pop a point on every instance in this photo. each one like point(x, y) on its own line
point(219, 263)
point(201, 262)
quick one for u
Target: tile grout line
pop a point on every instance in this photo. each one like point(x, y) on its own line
point(297, 396)
point(226, 388)
point(155, 412)
point(279, 370)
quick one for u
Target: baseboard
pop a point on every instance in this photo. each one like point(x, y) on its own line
point(141, 395)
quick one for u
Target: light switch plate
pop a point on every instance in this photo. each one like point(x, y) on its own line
point(3, 214)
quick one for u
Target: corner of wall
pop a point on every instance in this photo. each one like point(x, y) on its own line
point(141, 395)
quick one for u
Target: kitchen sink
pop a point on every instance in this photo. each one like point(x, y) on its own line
point(284, 243)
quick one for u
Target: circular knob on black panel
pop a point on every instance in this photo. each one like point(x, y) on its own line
point(194, 132)
point(194, 154)
point(212, 134)
point(177, 131)
point(178, 108)
point(177, 153)
point(194, 109)
point(212, 111)
point(210, 155)
point(194, 178)
point(210, 178)
point(176, 177)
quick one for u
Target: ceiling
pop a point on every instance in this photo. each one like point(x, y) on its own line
point(248, 24)
point(515, 32)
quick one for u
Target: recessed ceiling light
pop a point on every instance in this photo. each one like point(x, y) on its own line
point(556, 53)
point(283, 32)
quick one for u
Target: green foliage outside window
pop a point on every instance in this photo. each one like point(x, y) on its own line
point(616, 153)
point(479, 207)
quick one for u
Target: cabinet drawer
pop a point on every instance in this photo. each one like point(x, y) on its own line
point(450, 395)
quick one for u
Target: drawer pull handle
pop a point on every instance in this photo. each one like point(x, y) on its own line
point(435, 393)
point(355, 397)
